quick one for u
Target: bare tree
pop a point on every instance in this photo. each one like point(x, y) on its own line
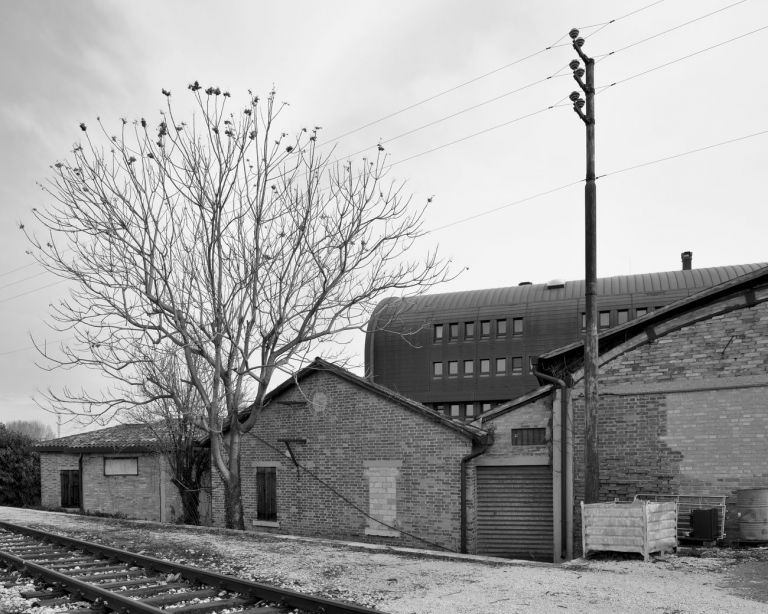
point(229, 239)
point(33, 429)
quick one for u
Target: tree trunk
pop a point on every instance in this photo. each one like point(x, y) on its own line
point(233, 499)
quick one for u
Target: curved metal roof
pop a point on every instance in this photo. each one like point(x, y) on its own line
point(645, 283)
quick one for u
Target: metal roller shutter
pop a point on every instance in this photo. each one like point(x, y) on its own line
point(514, 512)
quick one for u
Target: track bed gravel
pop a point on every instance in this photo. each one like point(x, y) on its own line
point(713, 580)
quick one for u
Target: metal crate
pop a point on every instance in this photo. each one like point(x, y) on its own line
point(687, 503)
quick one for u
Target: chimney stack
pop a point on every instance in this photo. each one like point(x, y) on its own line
point(687, 260)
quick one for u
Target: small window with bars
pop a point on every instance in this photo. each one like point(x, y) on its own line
point(529, 436)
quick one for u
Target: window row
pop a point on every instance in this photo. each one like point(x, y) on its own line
point(485, 329)
point(481, 366)
point(608, 318)
point(464, 411)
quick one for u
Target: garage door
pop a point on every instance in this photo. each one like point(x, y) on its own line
point(514, 512)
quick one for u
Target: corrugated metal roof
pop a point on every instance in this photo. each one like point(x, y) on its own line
point(692, 280)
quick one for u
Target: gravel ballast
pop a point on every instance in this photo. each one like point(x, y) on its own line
point(415, 582)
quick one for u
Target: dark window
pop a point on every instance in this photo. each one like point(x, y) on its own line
point(437, 369)
point(469, 330)
point(438, 336)
point(604, 319)
point(641, 311)
point(453, 331)
point(70, 488)
point(529, 437)
point(622, 316)
point(453, 368)
point(501, 328)
point(485, 328)
point(517, 326)
point(121, 466)
point(440, 408)
point(501, 366)
point(469, 410)
point(469, 367)
point(266, 493)
point(485, 366)
point(517, 365)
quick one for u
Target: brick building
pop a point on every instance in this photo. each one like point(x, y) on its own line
point(333, 455)
point(683, 400)
point(116, 470)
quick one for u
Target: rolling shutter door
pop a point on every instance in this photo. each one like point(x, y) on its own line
point(514, 512)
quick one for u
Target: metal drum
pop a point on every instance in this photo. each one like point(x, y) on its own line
point(753, 514)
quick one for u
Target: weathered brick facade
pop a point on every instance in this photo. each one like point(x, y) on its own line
point(150, 495)
point(685, 411)
point(357, 440)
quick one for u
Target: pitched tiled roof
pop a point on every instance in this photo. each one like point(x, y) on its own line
point(123, 437)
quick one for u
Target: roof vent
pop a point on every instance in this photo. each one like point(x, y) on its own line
point(553, 284)
point(687, 258)
point(524, 283)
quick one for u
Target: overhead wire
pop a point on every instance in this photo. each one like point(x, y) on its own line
point(10, 298)
point(19, 281)
point(480, 77)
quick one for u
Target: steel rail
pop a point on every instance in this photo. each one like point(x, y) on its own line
point(244, 587)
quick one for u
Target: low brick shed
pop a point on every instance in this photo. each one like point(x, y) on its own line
point(683, 399)
point(333, 455)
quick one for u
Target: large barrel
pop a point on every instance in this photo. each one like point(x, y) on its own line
point(753, 518)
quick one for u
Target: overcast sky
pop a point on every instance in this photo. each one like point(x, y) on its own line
point(344, 65)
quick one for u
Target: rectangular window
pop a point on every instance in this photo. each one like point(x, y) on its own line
point(438, 334)
point(121, 466)
point(469, 368)
point(437, 369)
point(70, 488)
point(641, 311)
point(469, 410)
point(622, 316)
point(266, 493)
point(583, 321)
point(485, 366)
point(485, 328)
point(501, 328)
point(517, 365)
point(440, 408)
point(517, 326)
point(453, 331)
point(453, 368)
point(501, 366)
point(469, 330)
point(455, 410)
point(484, 407)
point(529, 437)
point(604, 319)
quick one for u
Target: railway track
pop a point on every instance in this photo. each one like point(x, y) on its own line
point(114, 580)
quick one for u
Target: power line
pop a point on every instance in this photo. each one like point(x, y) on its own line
point(635, 12)
point(685, 57)
point(19, 281)
point(667, 31)
point(478, 78)
point(32, 347)
point(10, 298)
point(616, 172)
point(20, 268)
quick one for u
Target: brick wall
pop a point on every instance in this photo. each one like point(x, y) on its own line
point(348, 435)
point(686, 414)
point(136, 496)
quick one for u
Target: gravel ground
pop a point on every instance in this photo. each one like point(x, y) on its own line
point(713, 580)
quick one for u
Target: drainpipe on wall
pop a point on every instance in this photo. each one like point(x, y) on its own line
point(82, 480)
point(463, 500)
point(566, 544)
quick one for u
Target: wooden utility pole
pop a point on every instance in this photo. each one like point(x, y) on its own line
point(591, 461)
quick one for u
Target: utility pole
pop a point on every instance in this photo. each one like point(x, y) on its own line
point(591, 461)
